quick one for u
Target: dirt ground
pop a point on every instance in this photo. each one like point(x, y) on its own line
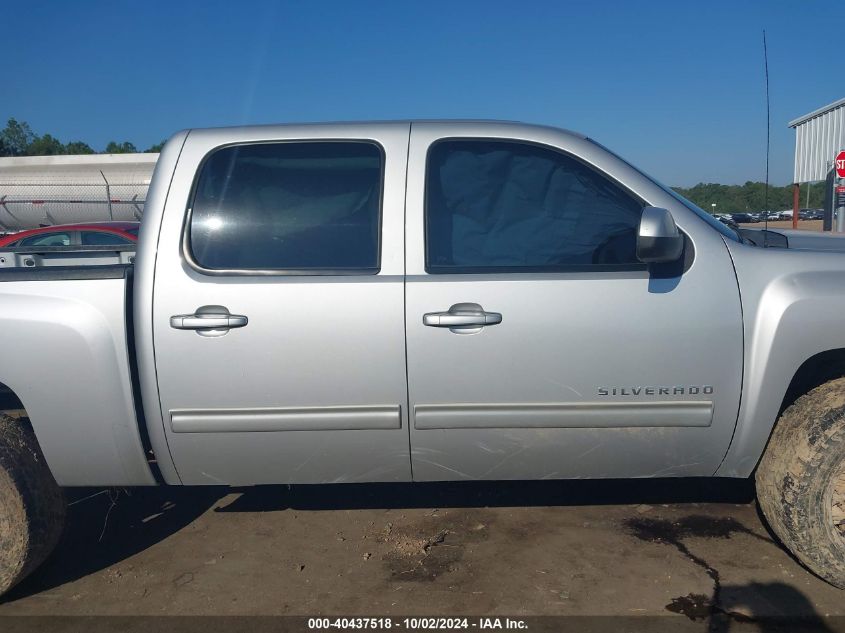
point(806, 225)
point(663, 547)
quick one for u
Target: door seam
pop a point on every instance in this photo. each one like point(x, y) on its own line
point(408, 413)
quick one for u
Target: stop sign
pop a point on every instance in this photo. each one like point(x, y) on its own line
point(840, 164)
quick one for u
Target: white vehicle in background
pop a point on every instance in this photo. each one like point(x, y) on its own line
point(47, 190)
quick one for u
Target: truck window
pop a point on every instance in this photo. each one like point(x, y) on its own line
point(494, 206)
point(290, 206)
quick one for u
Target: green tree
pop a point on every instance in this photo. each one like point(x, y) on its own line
point(750, 196)
point(16, 138)
point(46, 145)
point(120, 148)
point(78, 147)
point(155, 149)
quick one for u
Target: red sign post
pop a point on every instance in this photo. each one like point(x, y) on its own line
point(839, 200)
point(839, 163)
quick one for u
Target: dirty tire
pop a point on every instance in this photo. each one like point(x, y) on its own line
point(32, 506)
point(801, 481)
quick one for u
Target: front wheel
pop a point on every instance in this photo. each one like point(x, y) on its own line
point(801, 481)
point(32, 506)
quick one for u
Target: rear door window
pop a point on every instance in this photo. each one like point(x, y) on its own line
point(311, 207)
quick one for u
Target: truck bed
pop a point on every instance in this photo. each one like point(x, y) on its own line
point(66, 353)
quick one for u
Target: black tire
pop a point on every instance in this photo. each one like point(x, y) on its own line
point(801, 481)
point(32, 506)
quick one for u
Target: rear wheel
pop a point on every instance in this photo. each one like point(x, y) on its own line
point(32, 506)
point(801, 481)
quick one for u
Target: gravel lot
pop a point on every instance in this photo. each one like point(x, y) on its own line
point(661, 547)
point(806, 225)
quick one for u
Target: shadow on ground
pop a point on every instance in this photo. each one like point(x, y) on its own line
point(733, 608)
point(108, 526)
point(491, 494)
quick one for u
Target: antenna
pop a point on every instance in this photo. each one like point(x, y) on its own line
point(768, 133)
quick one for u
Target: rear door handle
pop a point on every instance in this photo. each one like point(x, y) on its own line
point(447, 319)
point(210, 319)
point(462, 318)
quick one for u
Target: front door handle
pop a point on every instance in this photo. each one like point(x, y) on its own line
point(207, 321)
point(213, 320)
point(463, 318)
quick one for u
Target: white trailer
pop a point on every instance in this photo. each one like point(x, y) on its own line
point(45, 190)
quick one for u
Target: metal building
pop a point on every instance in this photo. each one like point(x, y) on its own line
point(819, 136)
point(42, 190)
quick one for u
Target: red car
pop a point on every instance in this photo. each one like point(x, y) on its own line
point(91, 234)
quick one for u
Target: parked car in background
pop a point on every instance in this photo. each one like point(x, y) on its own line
point(811, 214)
point(92, 234)
point(728, 220)
point(743, 218)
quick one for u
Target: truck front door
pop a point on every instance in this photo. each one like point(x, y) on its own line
point(538, 345)
point(278, 306)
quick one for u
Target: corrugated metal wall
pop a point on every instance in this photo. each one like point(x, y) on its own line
point(819, 136)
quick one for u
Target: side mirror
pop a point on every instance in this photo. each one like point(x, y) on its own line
point(658, 239)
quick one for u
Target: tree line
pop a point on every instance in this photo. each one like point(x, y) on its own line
point(750, 197)
point(18, 139)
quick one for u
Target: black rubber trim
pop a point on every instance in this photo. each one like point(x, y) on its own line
point(765, 237)
point(137, 400)
point(54, 273)
point(572, 268)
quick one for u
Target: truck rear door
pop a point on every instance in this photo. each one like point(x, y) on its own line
point(278, 306)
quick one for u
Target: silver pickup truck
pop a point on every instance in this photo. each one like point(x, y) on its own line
point(421, 301)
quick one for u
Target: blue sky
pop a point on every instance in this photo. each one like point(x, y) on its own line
point(675, 87)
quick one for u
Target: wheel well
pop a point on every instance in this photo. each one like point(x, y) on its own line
point(9, 400)
point(815, 371)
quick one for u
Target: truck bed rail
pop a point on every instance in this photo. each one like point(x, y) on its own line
point(23, 257)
